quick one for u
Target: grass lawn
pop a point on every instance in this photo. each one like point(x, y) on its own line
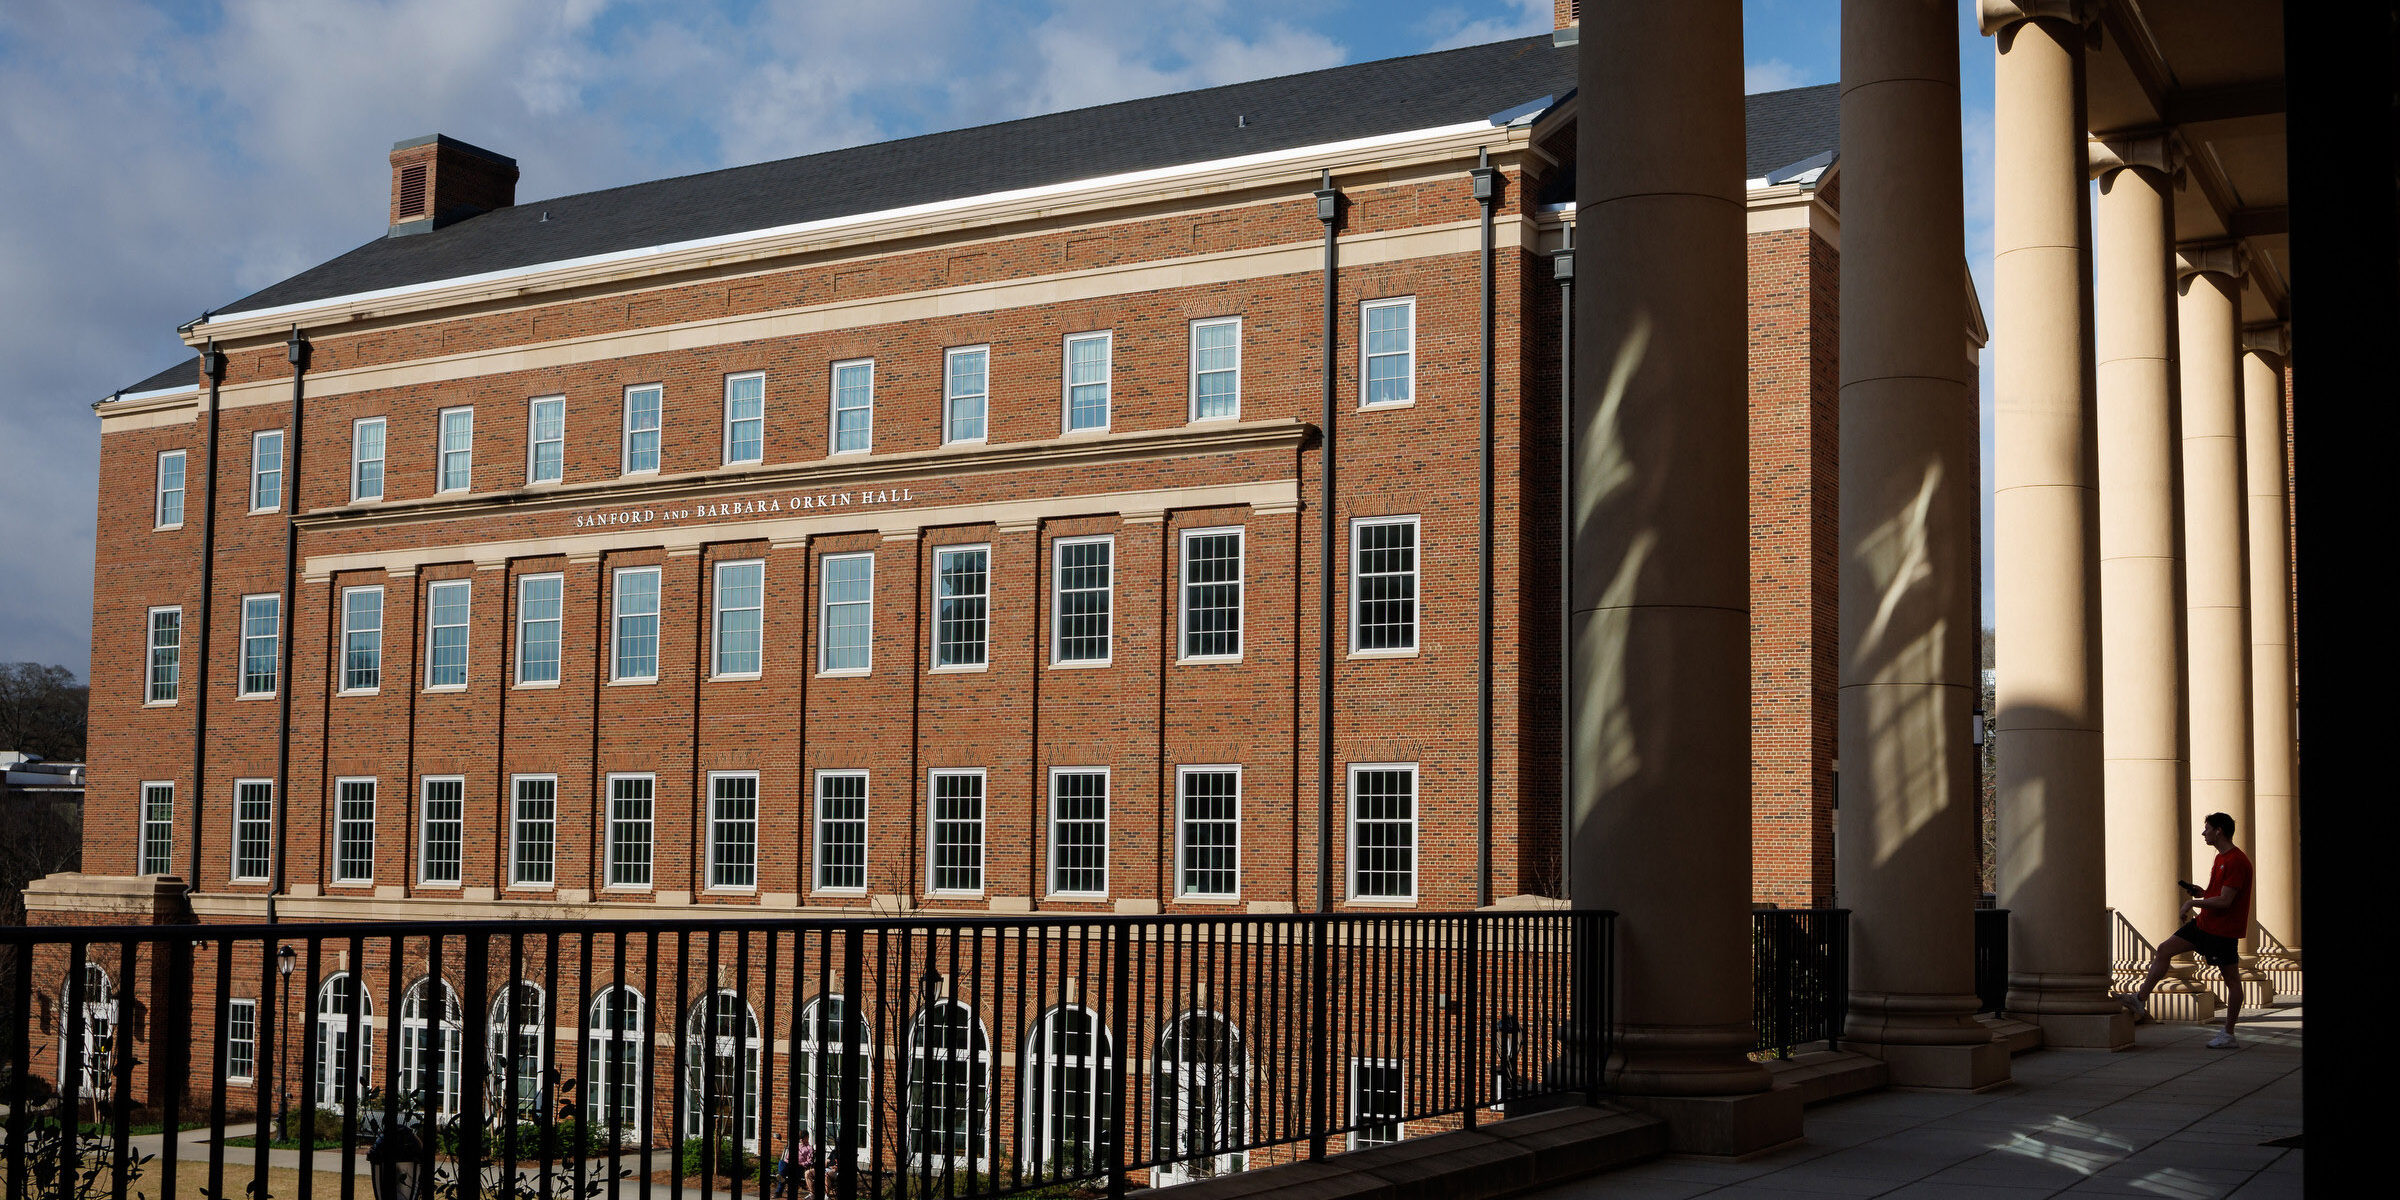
point(283, 1183)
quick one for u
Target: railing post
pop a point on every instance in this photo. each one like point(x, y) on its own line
point(1474, 1017)
point(1838, 1019)
point(1318, 1067)
point(1120, 996)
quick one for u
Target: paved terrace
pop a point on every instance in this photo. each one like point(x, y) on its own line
point(2169, 1118)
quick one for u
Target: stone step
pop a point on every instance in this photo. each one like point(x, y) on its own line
point(1491, 1161)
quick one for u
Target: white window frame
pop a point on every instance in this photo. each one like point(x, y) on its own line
point(949, 399)
point(151, 651)
point(718, 824)
point(1416, 833)
point(614, 821)
point(517, 823)
point(1066, 381)
point(359, 458)
point(818, 820)
point(1193, 372)
point(1051, 858)
point(1416, 574)
point(258, 473)
point(232, 1023)
point(466, 665)
point(425, 823)
point(534, 441)
point(1058, 591)
point(716, 619)
point(1184, 585)
point(350, 631)
point(1404, 302)
point(241, 674)
point(342, 824)
point(1183, 821)
point(726, 449)
point(1399, 1126)
point(983, 812)
point(442, 450)
point(833, 404)
point(266, 836)
point(825, 605)
point(616, 623)
point(150, 824)
point(620, 1061)
point(933, 655)
point(160, 491)
point(627, 431)
point(523, 622)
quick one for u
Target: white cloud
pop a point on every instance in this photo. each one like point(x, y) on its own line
point(1450, 28)
point(1771, 75)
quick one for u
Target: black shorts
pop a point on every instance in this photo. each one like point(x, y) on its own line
point(2215, 949)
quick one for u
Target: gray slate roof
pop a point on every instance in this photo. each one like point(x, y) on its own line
point(1338, 104)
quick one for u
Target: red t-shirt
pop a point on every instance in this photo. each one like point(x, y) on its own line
point(2232, 870)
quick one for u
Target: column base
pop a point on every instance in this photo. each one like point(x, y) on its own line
point(1973, 1067)
point(2082, 1031)
point(1724, 1126)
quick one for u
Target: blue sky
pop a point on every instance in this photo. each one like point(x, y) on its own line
point(169, 157)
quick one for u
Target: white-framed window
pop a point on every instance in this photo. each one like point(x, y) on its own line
point(619, 1029)
point(447, 604)
point(1217, 369)
point(262, 644)
point(1078, 831)
point(533, 831)
point(168, 512)
point(1071, 1091)
point(1086, 379)
point(1387, 352)
point(354, 831)
point(1377, 1097)
point(1201, 1078)
point(853, 406)
point(733, 830)
point(541, 614)
point(514, 1032)
point(825, 1055)
point(962, 591)
point(241, 1040)
point(366, 459)
point(1383, 585)
point(546, 439)
point(633, 629)
point(721, 1027)
point(746, 417)
point(343, 1070)
point(457, 449)
point(165, 658)
point(736, 628)
point(846, 626)
point(1208, 831)
point(841, 831)
point(362, 639)
point(955, 851)
point(966, 387)
point(632, 809)
point(253, 828)
point(645, 406)
point(946, 1072)
point(1083, 574)
point(1209, 608)
point(266, 470)
point(1383, 831)
point(158, 828)
point(441, 830)
point(432, 1040)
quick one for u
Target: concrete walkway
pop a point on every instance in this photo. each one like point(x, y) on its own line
point(2169, 1118)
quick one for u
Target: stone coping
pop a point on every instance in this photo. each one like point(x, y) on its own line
point(1500, 1159)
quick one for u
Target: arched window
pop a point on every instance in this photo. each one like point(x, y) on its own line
point(1200, 1099)
point(94, 1057)
point(722, 1039)
point(947, 1068)
point(1068, 1089)
point(613, 1094)
point(430, 1047)
point(513, 1044)
point(825, 1059)
point(342, 1069)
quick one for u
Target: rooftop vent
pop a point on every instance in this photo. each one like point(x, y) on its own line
point(438, 180)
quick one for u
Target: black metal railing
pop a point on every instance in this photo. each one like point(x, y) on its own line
point(1800, 977)
point(1991, 959)
point(959, 1057)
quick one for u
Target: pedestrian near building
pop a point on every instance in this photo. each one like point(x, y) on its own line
point(2219, 916)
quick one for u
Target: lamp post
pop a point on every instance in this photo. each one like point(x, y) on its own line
point(393, 1158)
point(285, 960)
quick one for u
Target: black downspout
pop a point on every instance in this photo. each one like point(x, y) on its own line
point(295, 351)
point(1329, 211)
point(212, 365)
point(1562, 269)
point(1487, 194)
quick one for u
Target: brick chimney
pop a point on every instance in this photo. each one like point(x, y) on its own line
point(1568, 13)
point(437, 180)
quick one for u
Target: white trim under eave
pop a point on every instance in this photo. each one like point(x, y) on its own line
point(153, 394)
point(1154, 174)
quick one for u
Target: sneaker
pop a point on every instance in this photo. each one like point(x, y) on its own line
point(2223, 1041)
point(2139, 1007)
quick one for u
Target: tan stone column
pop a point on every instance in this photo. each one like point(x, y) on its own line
point(2216, 576)
point(2274, 849)
point(2052, 831)
point(1909, 541)
point(1659, 826)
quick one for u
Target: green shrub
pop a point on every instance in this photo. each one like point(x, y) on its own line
point(731, 1159)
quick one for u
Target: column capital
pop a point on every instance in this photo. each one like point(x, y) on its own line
point(2152, 148)
point(2275, 339)
point(1997, 15)
point(2210, 258)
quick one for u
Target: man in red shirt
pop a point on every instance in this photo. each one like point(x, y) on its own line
point(2220, 919)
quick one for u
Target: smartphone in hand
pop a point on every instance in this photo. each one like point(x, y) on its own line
point(2188, 888)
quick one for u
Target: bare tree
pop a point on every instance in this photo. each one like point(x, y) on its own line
point(41, 711)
